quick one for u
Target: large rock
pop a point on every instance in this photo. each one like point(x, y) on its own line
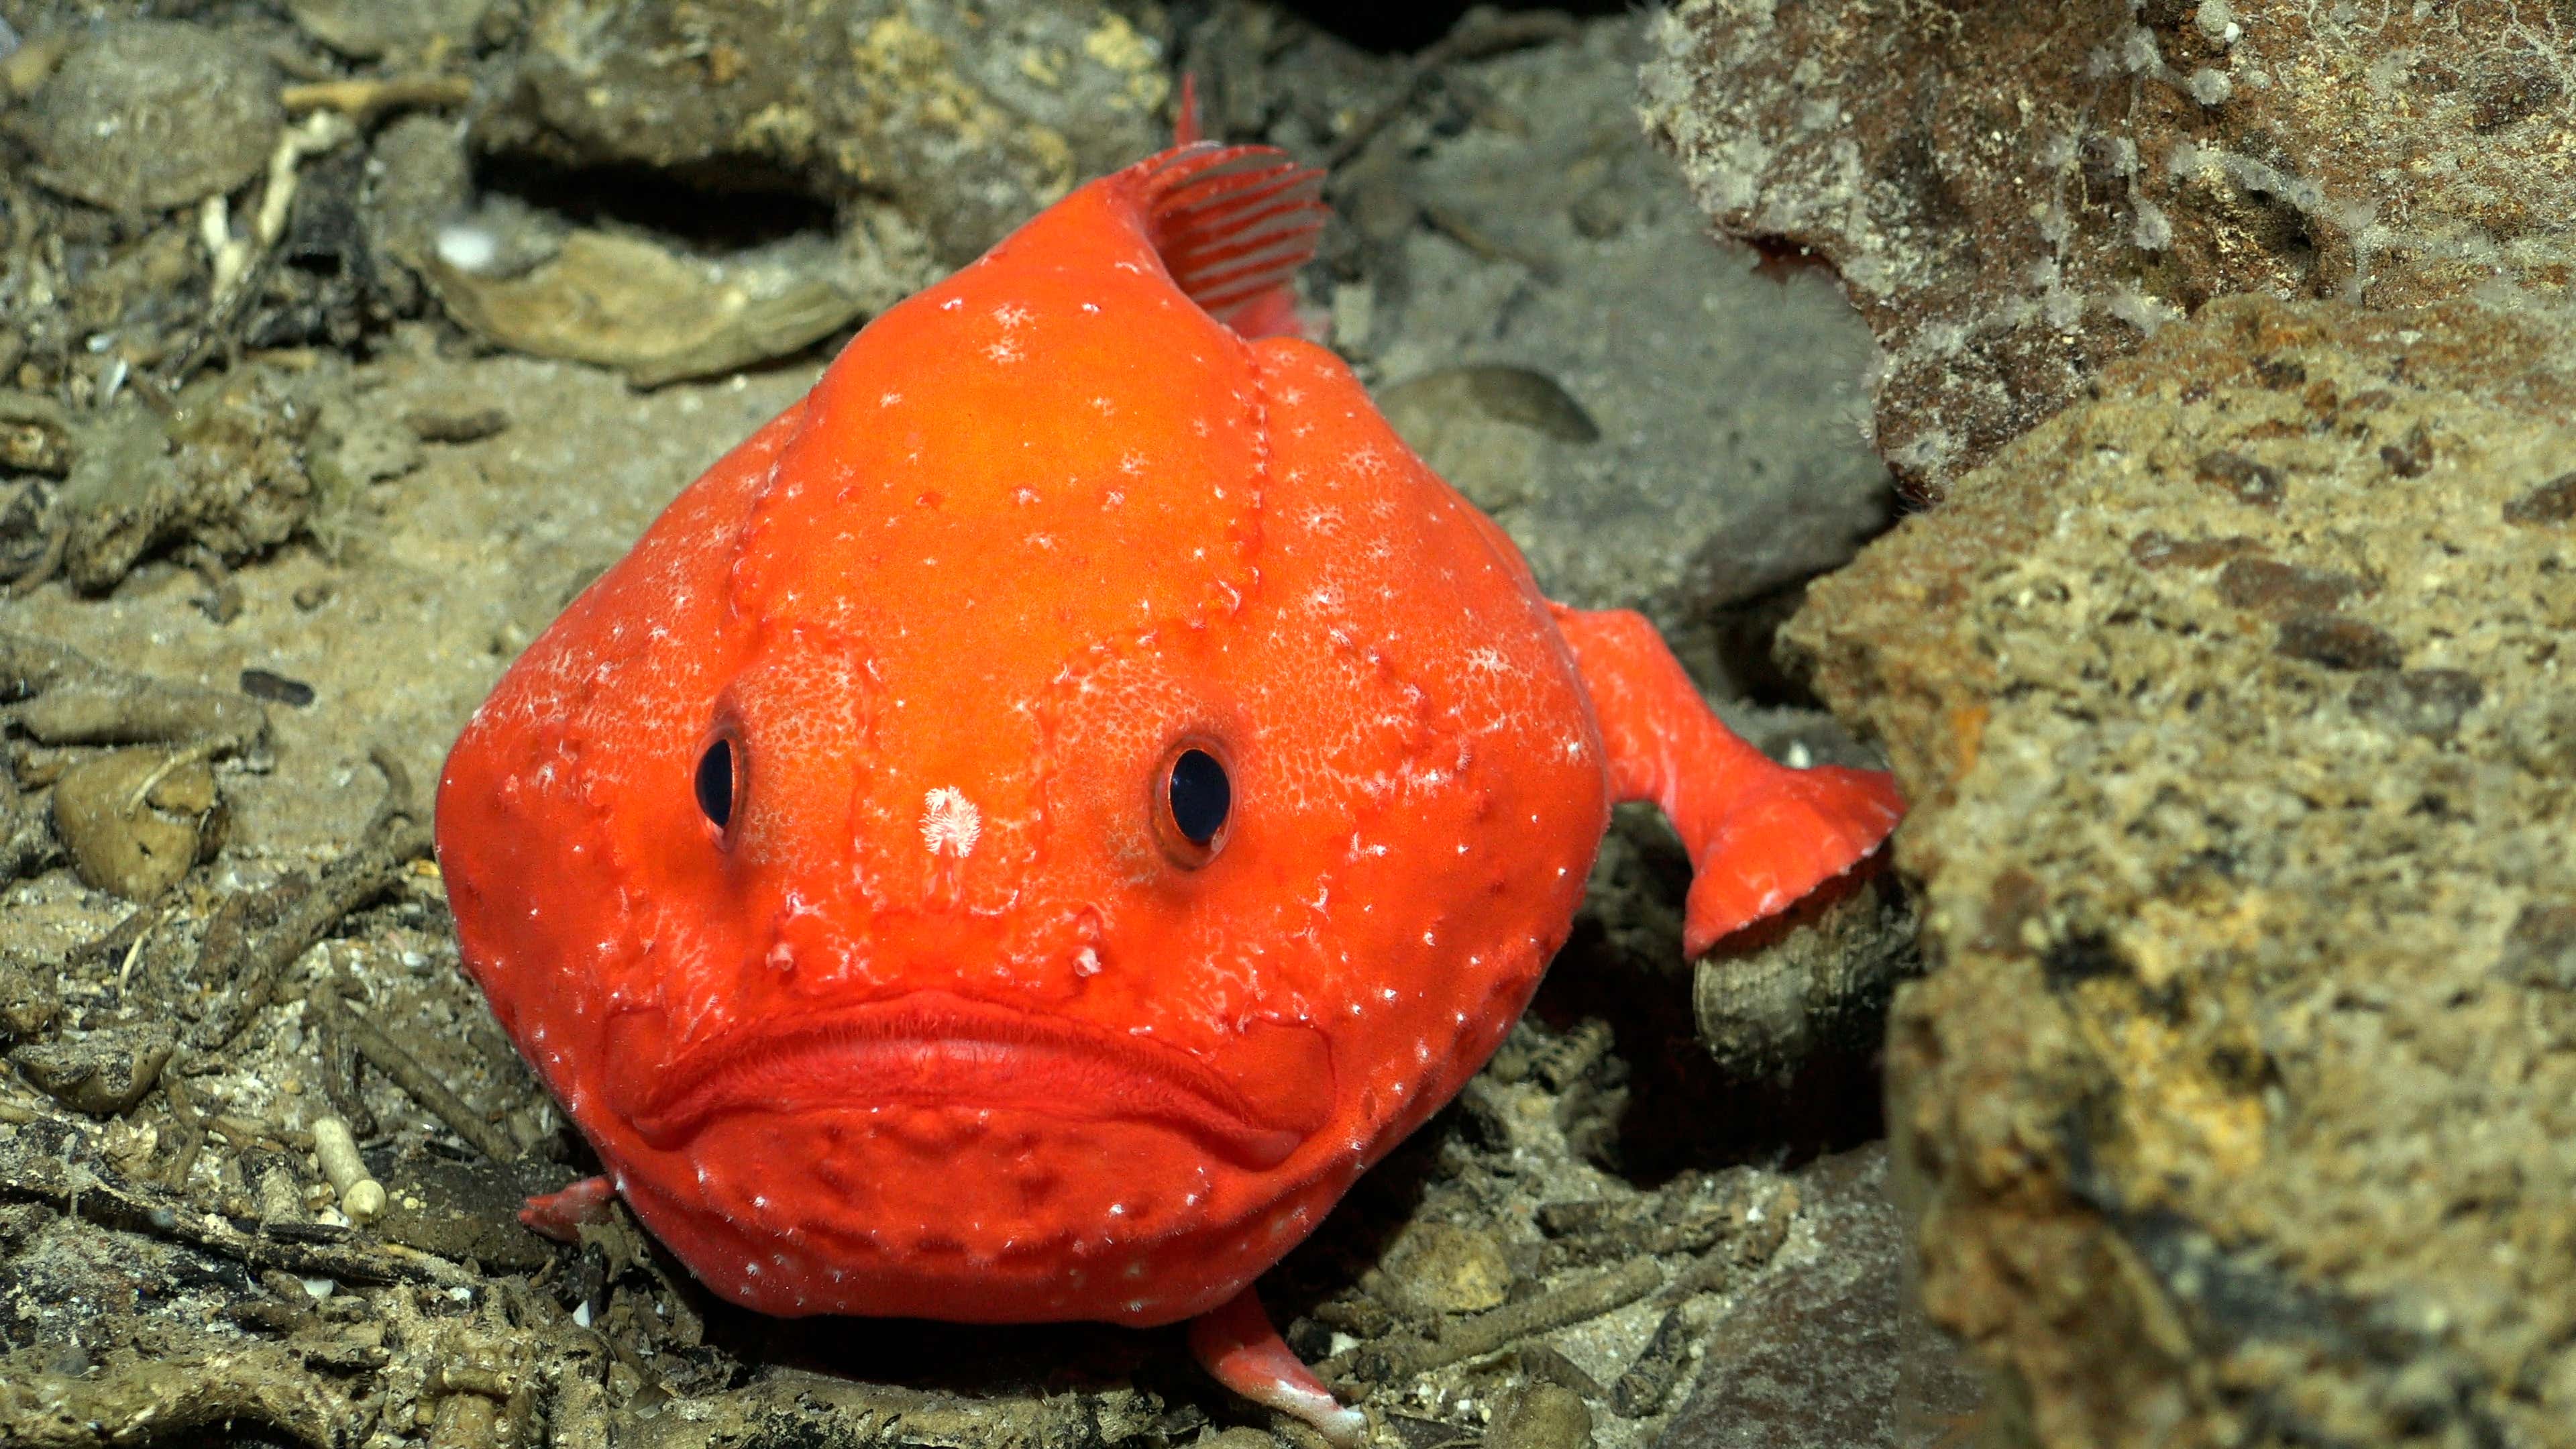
point(969, 118)
point(2015, 192)
point(1717, 454)
point(148, 115)
point(2233, 704)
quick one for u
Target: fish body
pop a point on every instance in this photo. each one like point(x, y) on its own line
point(1033, 823)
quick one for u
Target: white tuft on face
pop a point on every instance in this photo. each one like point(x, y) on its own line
point(950, 822)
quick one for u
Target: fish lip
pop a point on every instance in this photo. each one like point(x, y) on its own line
point(933, 1049)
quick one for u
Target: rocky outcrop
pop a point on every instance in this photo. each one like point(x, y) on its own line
point(2015, 193)
point(968, 118)
point(2233, 701)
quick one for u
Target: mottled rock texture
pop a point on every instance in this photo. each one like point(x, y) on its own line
point(148, 115)
point(2014, 193)
point(2235, 706)
point(968, 118)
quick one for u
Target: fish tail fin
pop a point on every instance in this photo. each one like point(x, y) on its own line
point(1760, 835)
point(1232, 225)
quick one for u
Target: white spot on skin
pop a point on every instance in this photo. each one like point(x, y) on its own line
point(950, 822)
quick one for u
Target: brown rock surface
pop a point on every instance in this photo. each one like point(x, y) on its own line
point(2015, 193)
point(2243, 1107)
point(968, 117)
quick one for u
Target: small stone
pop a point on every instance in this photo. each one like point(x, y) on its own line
point(1443, 1268)
point(270, 685)
point(1541, 1416)
point(35, 435)
point(137, 852)
point(1602, 213)
point(1820, 983)
point(2248, 481)
point(27, 1001)
point(458, 424)
point(150, 115)
point(2270, 586)
point(2411, 456)
point(2540, 948)
point(2427, 702)
point(365, 29)
point(356, 446)
point(102, 1073)
point(2338, 643)
point(2551, 502)
point(2156, 549)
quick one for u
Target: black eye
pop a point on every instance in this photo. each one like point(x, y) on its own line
point(715, 783)
point(1200, 796)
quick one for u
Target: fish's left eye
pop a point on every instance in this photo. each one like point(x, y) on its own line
point(715, 783)
point(1196, 800)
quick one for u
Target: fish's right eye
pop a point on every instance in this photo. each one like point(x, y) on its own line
point(715, 783)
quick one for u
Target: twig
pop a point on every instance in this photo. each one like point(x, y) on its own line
point(1490, 1332)
point(192, 1130)
point(363, 99)
point(394, 839)
point(425, 1088)
point(241, 264)
point(339, 1057)
point(37, 1171)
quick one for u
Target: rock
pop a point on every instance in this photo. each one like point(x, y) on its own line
point(464, 1210)
point(140, 852)
point(224, 470)
point(1486, 428)
point(2242, 1108)
point(1436, 1267)
point(1541, 1416)
point(28, 1000)
point(419, 30)
point(101, 1073)
point(355, 445)
point(35, 434)
point(1819, 981)
point(148, 115)
point(1831, 1354)
point(79, 701)
point(1654, 424)
point(969, 118)
point(2013, 194)
point(645, 309)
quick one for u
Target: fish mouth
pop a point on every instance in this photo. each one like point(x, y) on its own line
point(932, 1049)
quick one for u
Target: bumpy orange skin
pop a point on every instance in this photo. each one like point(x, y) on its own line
point(1034, 530)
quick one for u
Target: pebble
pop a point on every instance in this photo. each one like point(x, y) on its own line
point(102, 1073)
point(1541, 1416)
point(152, 115)
point(140, 853)
point(1444, 1268)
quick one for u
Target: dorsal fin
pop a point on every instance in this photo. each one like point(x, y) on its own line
point(1232, 225)
point(1185, 119)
